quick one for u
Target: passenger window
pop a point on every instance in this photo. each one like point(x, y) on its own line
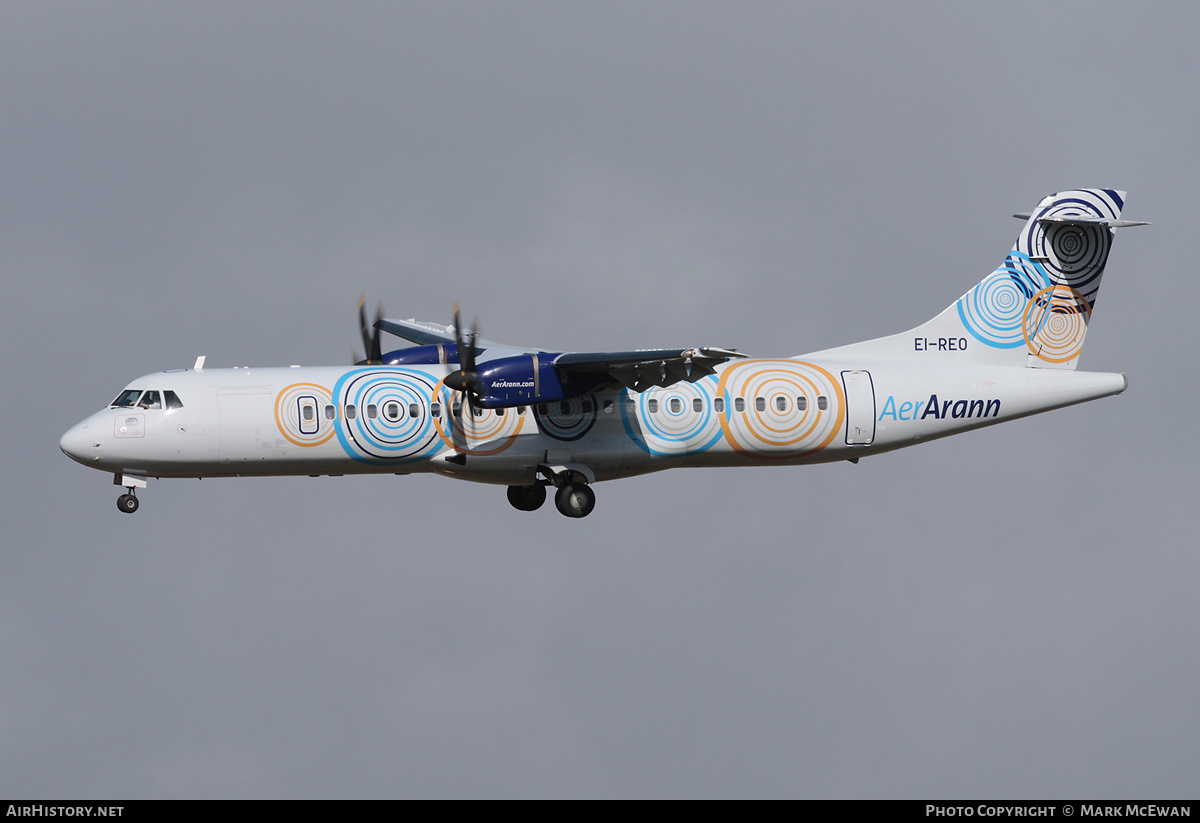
point(351, 412)
point(630, 406)
point(330, 412)
point(172, 400)
point(520, 410)
point(822, 402)
point(781, 404)
point(150, 401)
point(587, 405)
point(391, 411)
point(413, 410)
point(676, 405)
point(608, 407)
point(739, 404)
point(760, 403)
point(435, 409)
point(652, 406)
point(456, 408)
point(801, 403)
point(719, 404)
point(372, 411)
point(127, 398)
point(564, 407)
point(308, 412)
point(697, 404)
point(499, 412)
point(478, 412)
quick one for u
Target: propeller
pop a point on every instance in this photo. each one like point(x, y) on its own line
point(466, 379)
point(370, 335)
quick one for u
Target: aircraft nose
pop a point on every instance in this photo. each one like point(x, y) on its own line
point(76, 443)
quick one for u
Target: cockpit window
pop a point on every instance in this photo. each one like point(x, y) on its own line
point(172, 400)
point(150, 401)
point(127, 398)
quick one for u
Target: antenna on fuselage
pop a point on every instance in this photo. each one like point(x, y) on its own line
point(200, 363)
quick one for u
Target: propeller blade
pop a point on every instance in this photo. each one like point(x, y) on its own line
point(371, 335)
point(376, 349)
point(363, 327)
point(466, 379)
point(472, 350)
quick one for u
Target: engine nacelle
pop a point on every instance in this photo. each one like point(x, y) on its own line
point(422, 356)
point(529, 379)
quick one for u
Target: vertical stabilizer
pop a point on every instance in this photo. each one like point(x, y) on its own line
point(1035, 308)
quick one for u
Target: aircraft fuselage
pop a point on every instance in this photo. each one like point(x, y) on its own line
point(390, 419)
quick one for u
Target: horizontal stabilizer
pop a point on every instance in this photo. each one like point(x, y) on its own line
point(1083, 220)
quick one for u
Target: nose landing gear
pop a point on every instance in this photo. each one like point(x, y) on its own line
point(128, 502)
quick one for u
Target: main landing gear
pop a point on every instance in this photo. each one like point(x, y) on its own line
point(527, 498)
point(574, 497)
point(128, 503)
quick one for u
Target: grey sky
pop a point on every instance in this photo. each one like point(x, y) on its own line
point(1008, 613)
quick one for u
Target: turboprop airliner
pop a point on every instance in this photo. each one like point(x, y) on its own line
point(529, 418)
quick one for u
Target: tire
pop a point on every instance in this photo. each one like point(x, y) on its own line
point(127, 503)
point(527, 498)
point(575, 500)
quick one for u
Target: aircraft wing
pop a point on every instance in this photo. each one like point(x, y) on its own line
point(424, 333)
point(640, 369)
point(636, 370)
point(418, 331)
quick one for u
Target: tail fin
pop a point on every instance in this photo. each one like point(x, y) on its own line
point(1035, 308)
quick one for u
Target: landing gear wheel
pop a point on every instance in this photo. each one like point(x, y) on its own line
point(527, 498)
point(127, 503)
point(575, 499)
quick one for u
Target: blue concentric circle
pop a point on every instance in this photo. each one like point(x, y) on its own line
point(384, 426)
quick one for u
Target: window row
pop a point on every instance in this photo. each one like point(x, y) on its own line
point(782, 404)
point(395, 411)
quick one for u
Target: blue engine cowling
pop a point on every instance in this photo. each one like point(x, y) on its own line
point(422, 356)
point(528, 379)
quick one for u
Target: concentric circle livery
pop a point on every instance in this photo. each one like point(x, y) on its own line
point(1073, 255)
point(392, 420)
point(567, 420)
point(994, 311)
point(1043, 295)
point(300, 414)
point(791, 422)
point(684, 420)
point(1055, 323)
point(481, 432)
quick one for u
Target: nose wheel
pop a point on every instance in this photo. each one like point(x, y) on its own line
point(127, 503)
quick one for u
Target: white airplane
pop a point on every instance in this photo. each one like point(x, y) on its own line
point(474, 410)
